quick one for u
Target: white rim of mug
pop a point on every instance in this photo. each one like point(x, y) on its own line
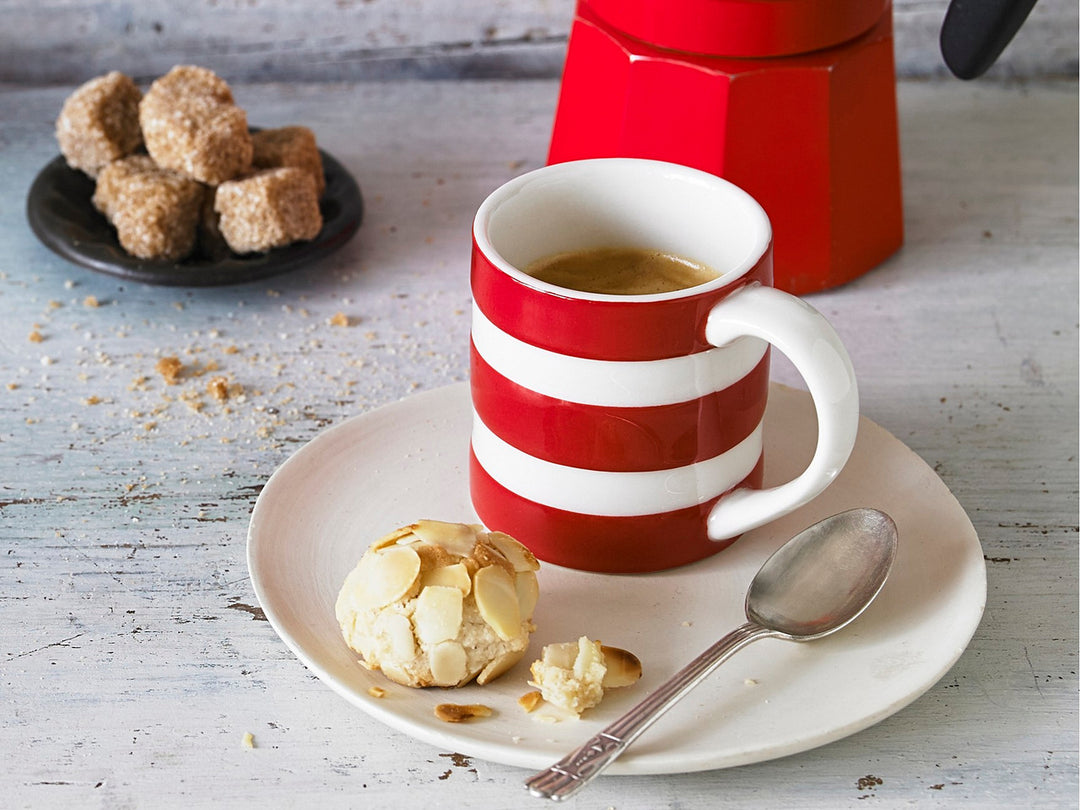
point(514, 186)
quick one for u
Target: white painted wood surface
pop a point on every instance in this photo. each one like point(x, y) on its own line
point(67, 41)
point(133, 657)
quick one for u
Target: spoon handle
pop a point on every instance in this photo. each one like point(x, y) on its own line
point(575, 770)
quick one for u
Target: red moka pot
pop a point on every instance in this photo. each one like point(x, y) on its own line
point(793, 100)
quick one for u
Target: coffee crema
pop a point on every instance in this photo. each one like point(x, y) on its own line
point(620, 271)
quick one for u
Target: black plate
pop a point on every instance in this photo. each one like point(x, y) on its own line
point(65, 220)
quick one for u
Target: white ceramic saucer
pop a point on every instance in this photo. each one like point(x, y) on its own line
point(392, 466)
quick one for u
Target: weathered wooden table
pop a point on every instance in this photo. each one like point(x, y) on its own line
point(133, 654)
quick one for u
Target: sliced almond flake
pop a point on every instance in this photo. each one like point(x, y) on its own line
point(454, 576)
point(402, 536)
point(398, 631)
point(528, 592)
point(560, 655)
point(588, 656)
point(459, 713)
point(499, 666)
point(530, 700)
point(448, 663)
point(486, 553)
point(384, 576)
point(520, 557)
point(496, 598)
point(457, 538)
point(623, 668)
point(438, 612)
point(395, 673)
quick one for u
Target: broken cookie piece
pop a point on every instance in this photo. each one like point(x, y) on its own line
point(573, 675)
point(440, 604)
point(530, 700)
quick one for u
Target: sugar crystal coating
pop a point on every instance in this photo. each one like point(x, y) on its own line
point(191, 125)
point(194, 134)
point(99, 123)
point(192, 81)
point(269, 209)
point(155, 211)
point(289, 146)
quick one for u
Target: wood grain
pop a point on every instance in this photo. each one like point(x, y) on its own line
point(275, 40)
point(133, 655)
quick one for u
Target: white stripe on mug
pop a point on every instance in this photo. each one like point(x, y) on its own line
point(614, 384)
point(615, 494)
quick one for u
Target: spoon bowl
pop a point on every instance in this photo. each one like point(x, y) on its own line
point(825, 576)
point(815, 584)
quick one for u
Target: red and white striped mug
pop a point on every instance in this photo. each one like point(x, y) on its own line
point(623, 433)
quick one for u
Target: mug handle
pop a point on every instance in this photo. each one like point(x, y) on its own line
point(810, 342)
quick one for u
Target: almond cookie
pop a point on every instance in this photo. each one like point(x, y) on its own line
point(440, 604)
point(575, 674)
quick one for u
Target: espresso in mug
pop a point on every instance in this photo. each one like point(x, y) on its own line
point(621, 271)
point(623, 432)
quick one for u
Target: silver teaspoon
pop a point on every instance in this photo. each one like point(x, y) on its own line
point(813, 585)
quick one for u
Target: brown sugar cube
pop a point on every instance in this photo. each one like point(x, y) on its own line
point(111, 184)
point(99, 123)
point(191, 125)
point(270, 209)
point(190, 81)
point(289, 146)
point(155, 211)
